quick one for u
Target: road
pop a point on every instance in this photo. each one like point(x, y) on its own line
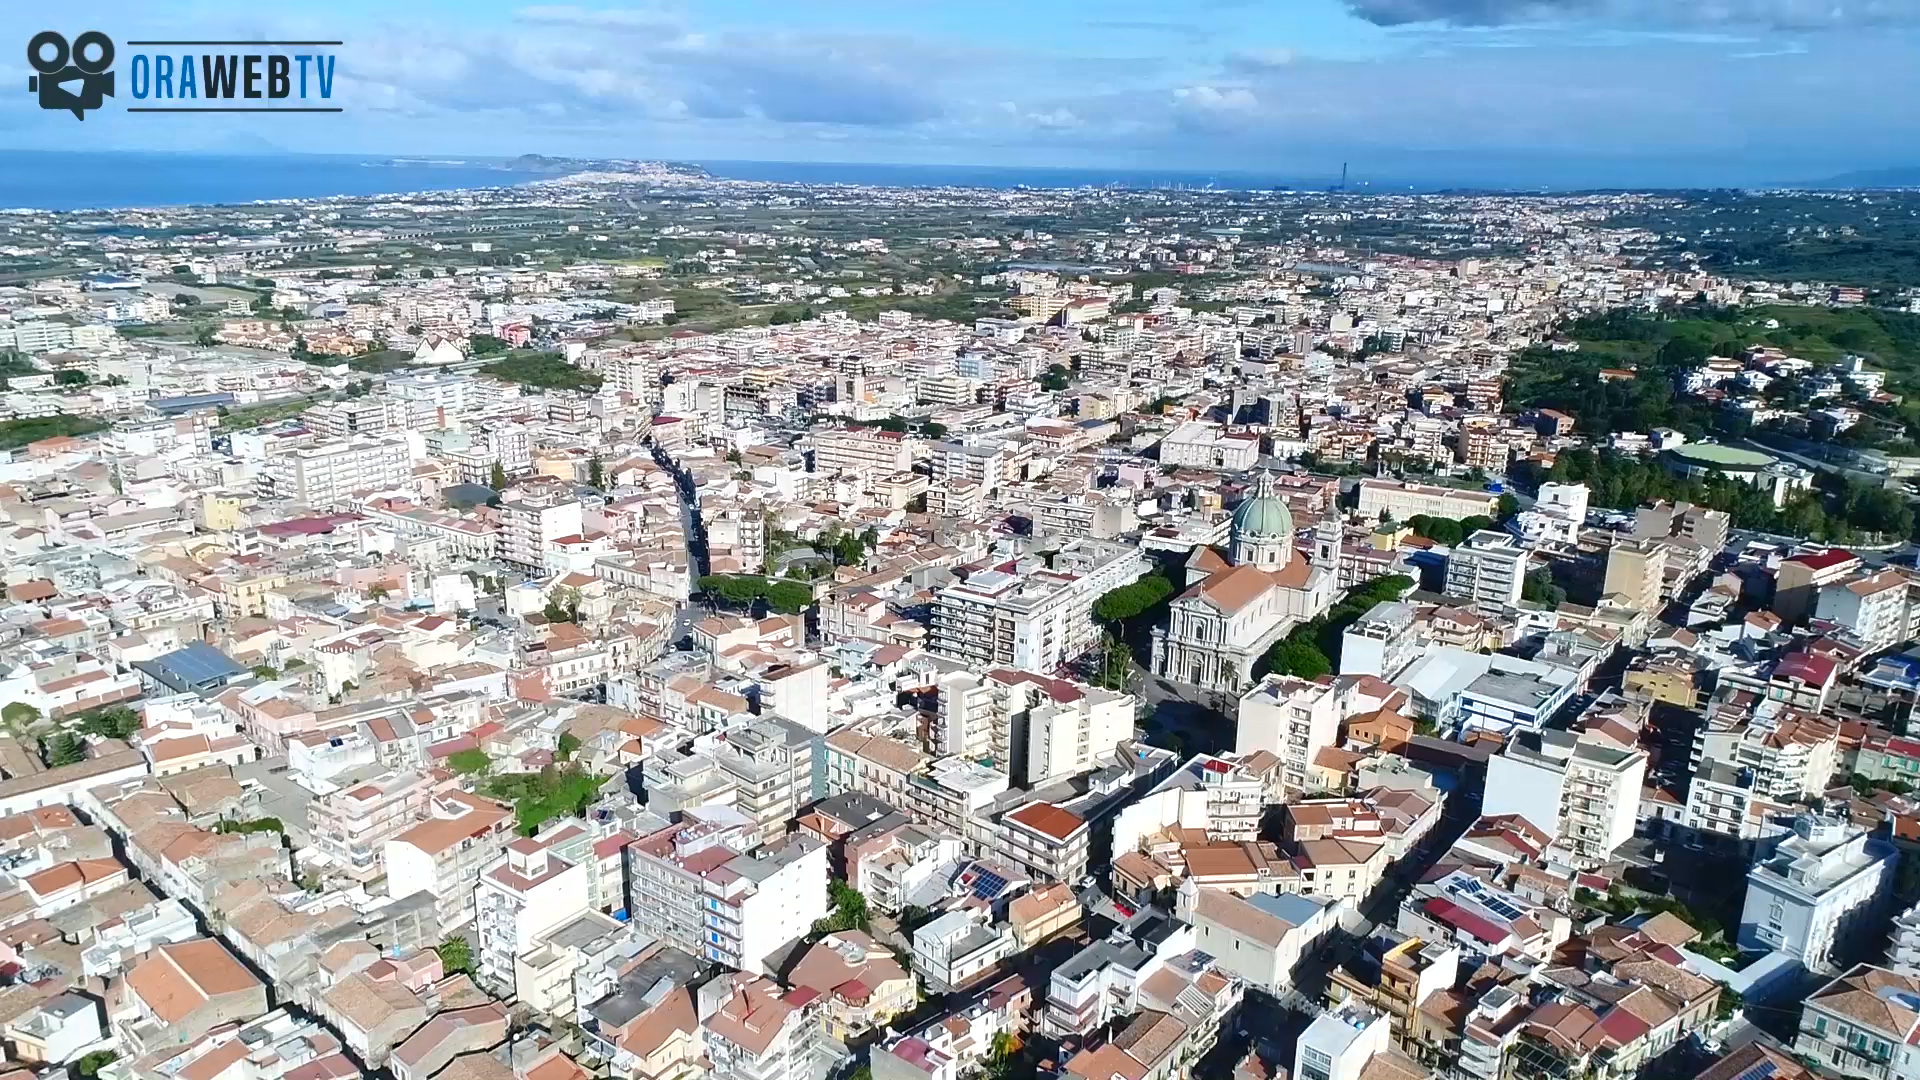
point(685, 614)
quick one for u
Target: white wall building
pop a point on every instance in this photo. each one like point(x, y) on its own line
point(1821, 896)
point(1291, 718)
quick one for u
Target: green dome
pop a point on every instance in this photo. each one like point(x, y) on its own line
point(1264, 514)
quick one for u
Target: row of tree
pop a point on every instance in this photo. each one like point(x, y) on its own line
point(1313, 648)
point(785, 597)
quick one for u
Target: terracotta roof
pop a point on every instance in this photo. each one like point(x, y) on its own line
point(1049, 819)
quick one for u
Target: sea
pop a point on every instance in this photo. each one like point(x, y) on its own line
point(1005, 176)
point(109, 180)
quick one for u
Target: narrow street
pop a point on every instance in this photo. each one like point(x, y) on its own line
point(684, 617)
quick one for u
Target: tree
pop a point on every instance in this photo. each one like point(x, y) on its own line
point(497, 479)
point(1301, 659)
point(456, 956)
point(596, 472)
point(849, 909)
point(1509, 506)
point(1131, 601)
point(266, 671)
point(472, 762)
point(569, 742)
point(203, 335)
point(65, 748)
point(90, 1065)
point(113, 722)
point(19, 715)
point(378, 592)
point(563, 605)
point(1540, 589)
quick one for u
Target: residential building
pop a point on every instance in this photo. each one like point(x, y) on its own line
point(531, 519)
point(861, 985)
point(529, 891)
point(1821, 895)
point(1488, 567)
point(1636, 572)
point(1259, 939)
point(754, 1031)
point(958, 948)
point(870, 451)
point(351, 825)
point(180, 992)
point(1582, 791)
point(1798, 581)
point(1878, 608)
point(1022, 614)
point(707, 887)
point(1864, 1024)
point(1395, 975)
point(1065, 738)
point(1381, 642)
point(1290, 718)
point(1207, 446)
point(328, 475)
point(445, 854)
point(1404, 501)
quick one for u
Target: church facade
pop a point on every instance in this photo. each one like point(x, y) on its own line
point(1237, 604)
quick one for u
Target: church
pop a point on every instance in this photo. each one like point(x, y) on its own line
point(1237, 604)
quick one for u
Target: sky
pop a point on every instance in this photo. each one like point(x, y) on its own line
point(1493, 92)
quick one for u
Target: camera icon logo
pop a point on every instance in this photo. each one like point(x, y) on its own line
point(76, 77)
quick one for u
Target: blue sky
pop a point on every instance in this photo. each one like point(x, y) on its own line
point(1562, 92)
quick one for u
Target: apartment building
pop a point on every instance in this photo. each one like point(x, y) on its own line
point(1488, 567)
point(527, 892)
point(327, 476)
point(1223, 797)
point(1821, 895)
point(1023, 615)
point(1797, 584)
point(1067, 737)
point(1381, 642)
point(755, 1031)
point(530, 520)
point(1049, 842)
point(1259, 939)
point(1864, 1024)
point(1880, 609)
point(772, 763)
point(1394, 975)
point(1582, 791)
point(1290, 718)
point(964, 721)
point(1636, 572)
point(445, 854)
point(959, 947)
point(351, 825)
point(707, 887)
point(869, 451)
point(1790, 755)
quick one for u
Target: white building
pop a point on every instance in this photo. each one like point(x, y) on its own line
point(1339, 1043)
point(1584, 792)
point(529, 521)
point(1488, 568)
point(1877, 608)
point(1557, 516)
point(958, 947)
point(1259, 938)
point(1290, 718)
point(1821, 896)
point(1068, 737)
point(1206, 446)
point(1381, 642)
point(326, 475)
point(703, 886)
point(528, 892)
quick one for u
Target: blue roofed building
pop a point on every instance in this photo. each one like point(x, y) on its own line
point(1259, 938)
point(198, 668)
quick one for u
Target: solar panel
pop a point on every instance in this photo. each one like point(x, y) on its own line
point(989, 885)
point(1759, 1071)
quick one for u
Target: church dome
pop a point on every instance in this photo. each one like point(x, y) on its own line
point(1264, 514)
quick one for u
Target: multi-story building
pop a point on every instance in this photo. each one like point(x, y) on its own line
point(1260, 938)
point(529, 891)
point(1394, 975)
point(1584, 792)
point(1381, 642)
point(1290, 718)
point(755, 1031)
point(445, 854)
point(1067, 737)
point(352, 825)
point(1488, 567)
point(530, 520)
point(1797, 584)
point(771, 762)
point(870, 451)
point(324, 476)
point(1206, 446)
point(1023, 615)
point(1404, 502)
point(1636, 571)
point(1879, 609)
point(959, 947)
point(704, 887)
point(1863, 1024)
point(1821, 895)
